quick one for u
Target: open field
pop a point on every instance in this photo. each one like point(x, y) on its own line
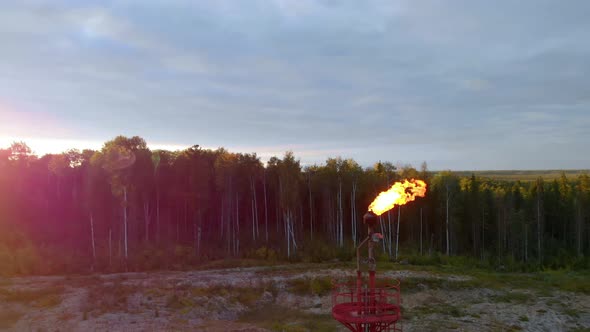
point(291, 298)
point(525, 175)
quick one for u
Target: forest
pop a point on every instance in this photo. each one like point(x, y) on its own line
point(128, 208)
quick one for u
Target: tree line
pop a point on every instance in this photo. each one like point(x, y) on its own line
point(128, 207)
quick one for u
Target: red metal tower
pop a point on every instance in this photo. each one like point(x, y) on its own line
point(367, 307)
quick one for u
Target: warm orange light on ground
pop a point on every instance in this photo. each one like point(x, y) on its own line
point(400, 193)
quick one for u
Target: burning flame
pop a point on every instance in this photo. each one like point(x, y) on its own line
point(400, 193)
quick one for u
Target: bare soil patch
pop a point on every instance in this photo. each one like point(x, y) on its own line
point(294, 298)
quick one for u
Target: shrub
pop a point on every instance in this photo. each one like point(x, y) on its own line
point(262, 253)
point(8, 318)
point(319, 250)
point(314, 286)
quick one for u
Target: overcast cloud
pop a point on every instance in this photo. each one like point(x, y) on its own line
point(459, 84)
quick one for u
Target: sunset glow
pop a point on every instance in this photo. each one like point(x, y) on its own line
point(43, 146)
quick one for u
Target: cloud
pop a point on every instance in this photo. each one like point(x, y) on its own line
point(480, 85)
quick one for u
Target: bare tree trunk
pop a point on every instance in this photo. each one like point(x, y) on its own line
point(310, 206)
point(447, 219)
point(431, 244)
point(120, 242)
point(253, 203)
point(92, 237)
point(265, 209)
point(278, 198)
point(504, 232)
point(177, 226)
point(221, 219)
point(390, 239)
point(157, 215)
point(301, 216)
point(332, 224)
point(483, 234)
point(286, 228)
point(277, 218)
point(185, 220)
point(420, 231)
point(225, 213)
point(199, 233)
point(237, 224)
point(499, 232)
point(110, 247)
point(195, 245)
point(353, 212)
point(256, 209)
point(147, 217)
point(383, 232)
point(579, 232)
point(125, 220)
point(253, 221)
point(232, 224)
point(474, 236)
point(526, 244)
point(399, 215)
point(334, 218)
point(293, 232)
point(340, 215)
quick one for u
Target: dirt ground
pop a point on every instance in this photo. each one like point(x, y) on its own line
point(271, 299)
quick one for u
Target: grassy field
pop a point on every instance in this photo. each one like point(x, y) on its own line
point(525, 175)
point(239, 296)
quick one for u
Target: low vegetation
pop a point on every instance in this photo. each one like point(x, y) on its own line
point(283, 319)
point(41, 298)
point(311, 286)
point(435, 308)
point(513, 297)
point(8, 318)
point(109, 297)
point(458, 295)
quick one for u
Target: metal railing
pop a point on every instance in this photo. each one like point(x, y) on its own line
point(365, 309)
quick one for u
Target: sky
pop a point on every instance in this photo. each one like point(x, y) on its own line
point(462, 85)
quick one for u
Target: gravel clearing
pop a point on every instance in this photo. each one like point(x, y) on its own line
point(218, 300)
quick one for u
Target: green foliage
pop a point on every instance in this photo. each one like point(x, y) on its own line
point(491, 263)
point(437, 308)
point(185, 209)
point(282, 319)
point(513, 297)
point(245, 295)
point(179, 302)
point(263, 253)
point(233, 263)
point(18, 256)
point(311, 286)
point(345, 254)
point(8, 318)
point(543, 283)
point(319, 251)
point(572, 312)
point(523, 175)
point(40, 298)
point(151, 258)
point(109, 297)
point(564, 260)
point(184, 256)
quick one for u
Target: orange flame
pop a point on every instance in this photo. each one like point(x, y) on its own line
point(400, 193)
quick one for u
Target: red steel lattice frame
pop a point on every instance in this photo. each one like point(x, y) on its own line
point(372, 309)
point(367, 308)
